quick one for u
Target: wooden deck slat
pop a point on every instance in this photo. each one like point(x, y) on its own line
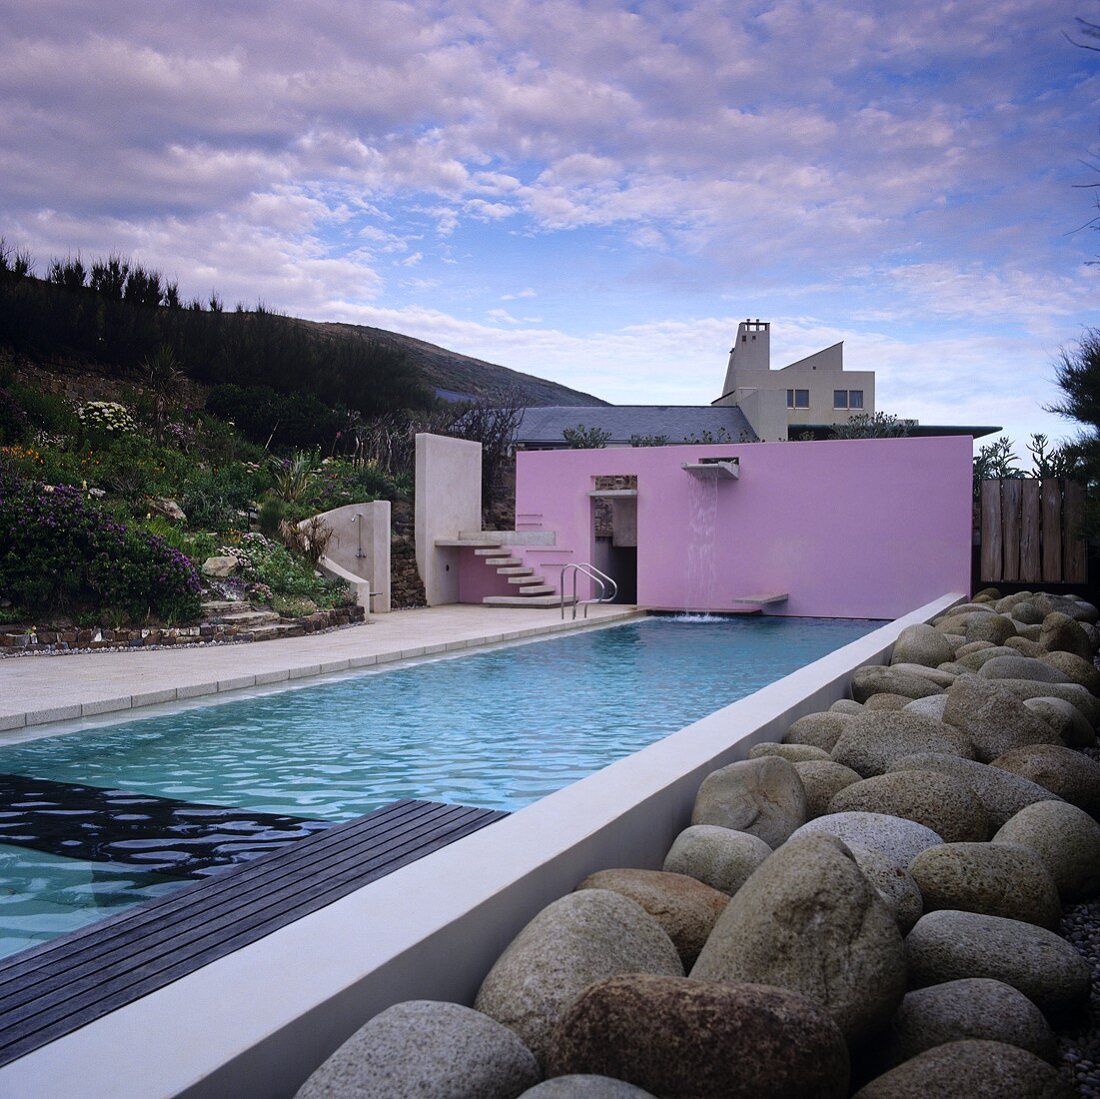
point(1075, 568)
point(54, 988)
point(1030, 568)
point(1010, 519)
point(991, 531)
point(1052, 530)
point(252, 900)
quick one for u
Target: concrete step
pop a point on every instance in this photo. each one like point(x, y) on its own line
point(537, 589)
point(245, 619)
point(221, 606)
point(525, 601)
point(278, 629)
point(494, 552)
point(502, 562)
point(528, 577)
point(517, 570)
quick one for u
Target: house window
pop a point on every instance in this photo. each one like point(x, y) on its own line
point(848, 398)
point(840, 398)
point(798, 398)
point(855, 398)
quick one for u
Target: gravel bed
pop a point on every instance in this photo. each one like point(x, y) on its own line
point(1079, 1039)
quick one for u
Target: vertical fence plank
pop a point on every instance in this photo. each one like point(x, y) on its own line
point(1076, 561)
point(1030, 568)
point(1010, 519)
point(991, 531)
point(1052, 531)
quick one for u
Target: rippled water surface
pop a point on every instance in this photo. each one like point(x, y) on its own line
point(496, 729)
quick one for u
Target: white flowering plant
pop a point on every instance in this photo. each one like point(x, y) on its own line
point(106, 417)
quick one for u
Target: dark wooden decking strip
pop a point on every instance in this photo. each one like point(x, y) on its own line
point(52, 989)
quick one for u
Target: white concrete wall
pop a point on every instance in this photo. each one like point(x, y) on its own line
point(448, 501)
point(766, 411)
point(257, 1022)
point(363, 529)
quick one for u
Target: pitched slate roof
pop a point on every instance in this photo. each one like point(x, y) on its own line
point(543, 426)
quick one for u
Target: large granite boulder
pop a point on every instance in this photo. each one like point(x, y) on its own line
point(948, 945)
point(873, 679)
point(1079, 696)
point(718, 857)
point(1022, 667)
point(930, 707)
point(686, 1039)
point(940, 678)
point(1026, 613)
point(1025, 647)
point(875, 740)
point(1002, 794)
point(1067, 721)
point(819, 730)
point(996, 879)
point(846, 706)
point(580, 938)
point(1072, 775)
point(992, 718)
point(970, 1069)
point(220, 566)
point(584, 1086)
point(883, 702)
point(898, 840)
point(895, 884)
point(943, 803)
point(976, 658)
point(424, 1049)
point(1060, 633)
point(809, 920)
point(922, 644)
point(1076, 669)
point(763, 797)
point(973, 1007)
point(792, 753)
point(822, 779)
point(990, 627)
point(687, 909)
point(1066, 838)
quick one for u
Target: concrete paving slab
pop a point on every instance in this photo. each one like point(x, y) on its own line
point(36, 690)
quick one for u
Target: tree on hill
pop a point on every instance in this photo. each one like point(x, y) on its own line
point(1077, 372)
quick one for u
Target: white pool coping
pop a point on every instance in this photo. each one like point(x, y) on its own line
point(258, 1021)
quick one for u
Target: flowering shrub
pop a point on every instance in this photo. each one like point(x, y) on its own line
point(269, 567)
point(58, 551)
point(106, 418)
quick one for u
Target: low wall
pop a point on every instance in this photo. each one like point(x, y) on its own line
point(360, 547)
point(259, 1021)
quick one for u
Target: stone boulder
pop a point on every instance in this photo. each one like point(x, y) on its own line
point(922, 644)
point(992, 718)
point(686, 1039)
point(882, 703)
point(1026, 613)
point(894, 883)
point(1073, 693)
point(1002, 794)
point(718, 857)
point(1075, 669)
point(162, 505)
point(944, 803)
point(970, 1069)
point(819, 730)
point(792, 753)
point(898, 840)
point(995, 879)
point(990, 627)
point(1025, 647)
point(809, 920)
point(874, 741)
point(1060, 633)
point(763, 797)
point(822, 780)
point(1022, 667)
point(942, 679)
point(1066, 838)
point(580, 938)
point(424, 1049)
point(846, 706)
point(949, 945)
point(975, 660)
point(931, 707)
point(971, 647)
point(1065, 719)
point(973, 1007)
point(220, 566)
point(585, 1087)
point(1073, 776)
point(687, 909)
point(873, 679)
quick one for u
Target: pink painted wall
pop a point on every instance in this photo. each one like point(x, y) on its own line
point(850, 528)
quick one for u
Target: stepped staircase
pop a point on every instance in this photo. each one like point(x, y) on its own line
point(262, 625)
point(529, 588)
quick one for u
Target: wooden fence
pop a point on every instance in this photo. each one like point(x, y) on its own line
point(1030, 531)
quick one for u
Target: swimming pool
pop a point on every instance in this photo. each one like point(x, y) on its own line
point(496, 729)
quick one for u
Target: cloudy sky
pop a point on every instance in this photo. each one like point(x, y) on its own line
point(591, 190)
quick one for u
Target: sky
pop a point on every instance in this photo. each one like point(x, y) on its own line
point(589, 190)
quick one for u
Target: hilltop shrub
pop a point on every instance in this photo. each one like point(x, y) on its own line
point(59, 552)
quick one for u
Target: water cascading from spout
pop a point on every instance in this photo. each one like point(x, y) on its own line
point(702, 548)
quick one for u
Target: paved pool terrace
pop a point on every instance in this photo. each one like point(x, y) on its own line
point(36, 690)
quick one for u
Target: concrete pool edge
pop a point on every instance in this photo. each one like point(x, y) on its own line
point(258, 1021)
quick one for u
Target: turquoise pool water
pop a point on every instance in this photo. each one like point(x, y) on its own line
point(497, 729)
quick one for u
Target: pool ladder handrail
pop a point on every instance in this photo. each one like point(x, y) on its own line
point(588, 569)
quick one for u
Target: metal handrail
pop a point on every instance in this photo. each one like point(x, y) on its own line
point(593, 573)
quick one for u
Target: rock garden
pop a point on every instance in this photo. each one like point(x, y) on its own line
point(899, 900)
